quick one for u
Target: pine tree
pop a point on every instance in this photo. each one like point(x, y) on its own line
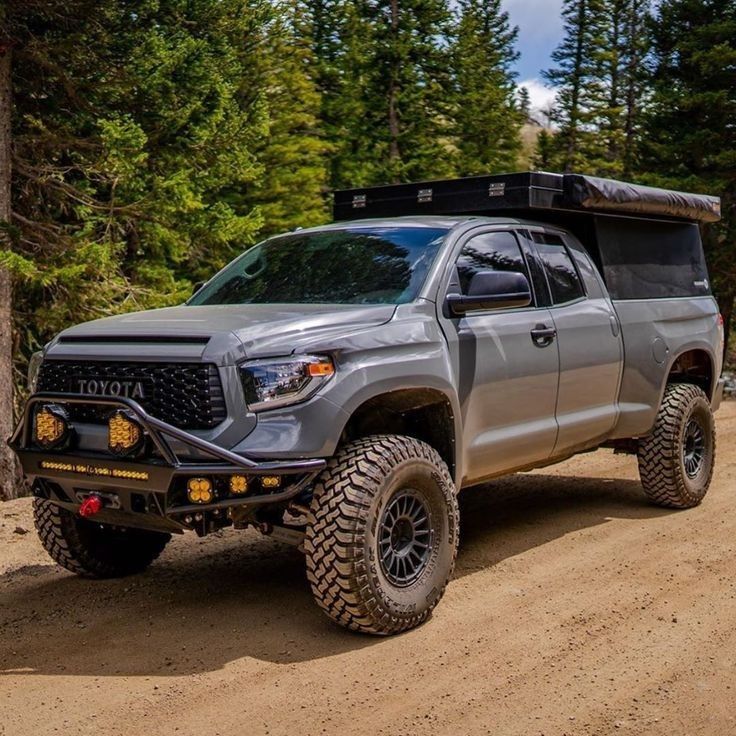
point(487, 116)
point(545, 158)
point(525, 103)
point(622, 75)
point(690, 130)
point(608, 108)
point(294, 153)
point(340, 41)
point(134, 139)
point(577, 75)
point(636, 78)
point(407, 85)
point(602, 78)
point(383, 71)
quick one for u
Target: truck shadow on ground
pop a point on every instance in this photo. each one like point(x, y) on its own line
point(209, 602)
point(509, 516)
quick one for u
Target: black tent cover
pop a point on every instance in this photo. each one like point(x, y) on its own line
point(525, 191)
point(608, 195)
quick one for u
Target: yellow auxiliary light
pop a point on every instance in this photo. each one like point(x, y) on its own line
point(238, 484)
point(123, 434)
point(199, 490)
point(51, 426)
point(271, 481)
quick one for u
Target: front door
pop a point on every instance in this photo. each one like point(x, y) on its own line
point(506, 364)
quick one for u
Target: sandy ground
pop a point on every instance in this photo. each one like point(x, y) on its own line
point(576, 608)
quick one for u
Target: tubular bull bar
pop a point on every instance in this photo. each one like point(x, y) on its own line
point(153, 477)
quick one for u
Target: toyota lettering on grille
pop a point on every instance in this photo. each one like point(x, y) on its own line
point(129, 389)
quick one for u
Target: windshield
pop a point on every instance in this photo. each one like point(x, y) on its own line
point(381, 265)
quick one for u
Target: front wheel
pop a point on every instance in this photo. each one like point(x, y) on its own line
point(93, 550)
point(382, 541)
point(676, 460)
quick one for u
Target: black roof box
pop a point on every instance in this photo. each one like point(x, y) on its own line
point(519, 193)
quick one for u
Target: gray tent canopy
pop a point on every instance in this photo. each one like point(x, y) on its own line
point(608, 195)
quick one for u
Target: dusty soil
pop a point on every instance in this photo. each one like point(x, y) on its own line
point(576, 608)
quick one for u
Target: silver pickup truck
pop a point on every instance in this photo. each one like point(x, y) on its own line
point(337, 387)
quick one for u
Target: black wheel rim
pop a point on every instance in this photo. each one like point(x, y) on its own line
point(404, 538)
point(693, 448)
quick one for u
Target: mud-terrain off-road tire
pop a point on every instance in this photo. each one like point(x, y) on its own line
point(676, 460)
point(92, 550)
point(375, 506)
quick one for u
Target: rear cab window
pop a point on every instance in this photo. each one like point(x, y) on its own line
point(564, 281)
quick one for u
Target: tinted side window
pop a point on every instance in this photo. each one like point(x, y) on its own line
point(564, 282)
point(652, 260)
point(490, 252)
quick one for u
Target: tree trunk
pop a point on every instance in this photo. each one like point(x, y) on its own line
point(8, 476)
point(394, 153)
point(577, 82)
point(634, 31)
point(613, 151)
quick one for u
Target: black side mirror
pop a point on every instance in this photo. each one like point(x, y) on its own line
point(492, 290)
point(197, 287)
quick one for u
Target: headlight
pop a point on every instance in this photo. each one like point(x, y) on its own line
point(34, 366)
point(269, 384)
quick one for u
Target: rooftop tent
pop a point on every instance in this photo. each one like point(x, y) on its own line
point(522, 194)
point(646, 241)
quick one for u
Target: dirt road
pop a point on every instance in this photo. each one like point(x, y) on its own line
point(576, 608)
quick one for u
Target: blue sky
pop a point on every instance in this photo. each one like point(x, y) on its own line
point(540, 30)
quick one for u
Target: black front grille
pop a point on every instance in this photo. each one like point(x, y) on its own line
point(187, 395)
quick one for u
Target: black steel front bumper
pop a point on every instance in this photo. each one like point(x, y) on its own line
point(141, 492)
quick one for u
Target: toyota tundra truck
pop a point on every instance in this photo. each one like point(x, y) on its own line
point(337, 387)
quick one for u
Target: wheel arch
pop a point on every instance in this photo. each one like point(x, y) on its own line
point(425, 413)
point(695, 365)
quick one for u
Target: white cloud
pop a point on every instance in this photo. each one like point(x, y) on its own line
point(542, 97)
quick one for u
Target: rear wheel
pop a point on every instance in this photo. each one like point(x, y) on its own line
point(382, 542)
point(91, 549)
point(676, 460)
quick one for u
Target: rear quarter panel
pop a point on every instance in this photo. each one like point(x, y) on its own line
point(655, 333)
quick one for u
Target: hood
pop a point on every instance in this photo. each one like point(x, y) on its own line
point(223, 333)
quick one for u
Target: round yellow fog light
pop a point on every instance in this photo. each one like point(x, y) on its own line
point(271, 481)
point(238, 484)
point(199, 490)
